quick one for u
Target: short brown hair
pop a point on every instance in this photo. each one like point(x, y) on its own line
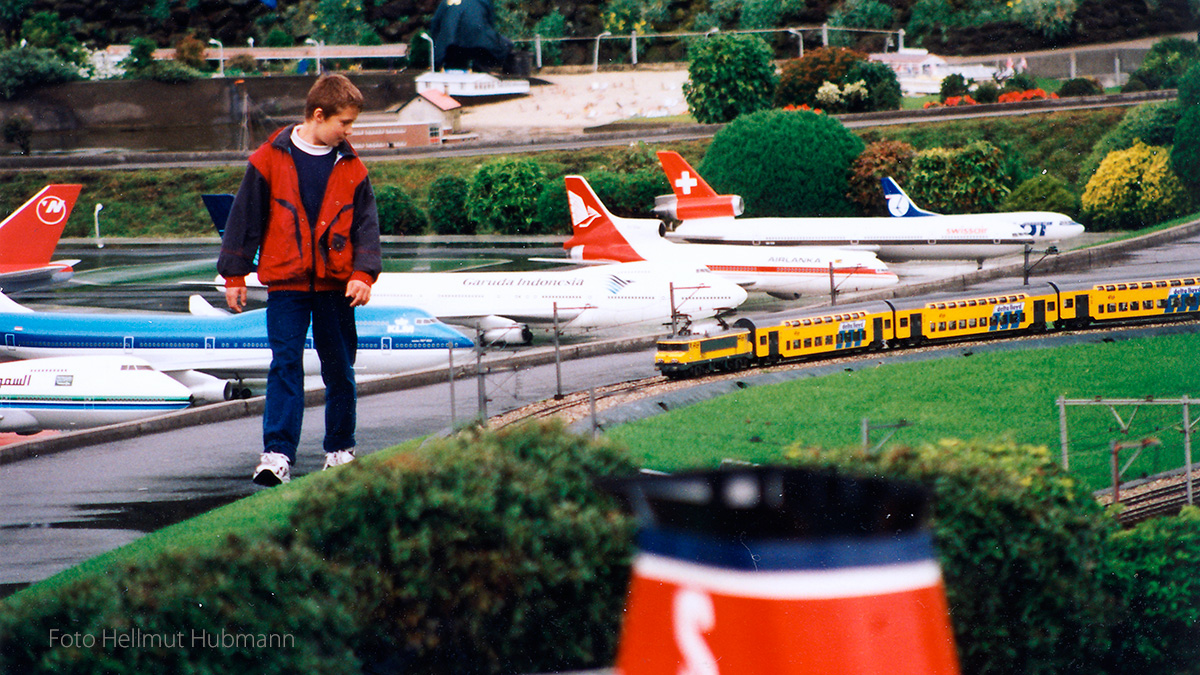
point(332, 93)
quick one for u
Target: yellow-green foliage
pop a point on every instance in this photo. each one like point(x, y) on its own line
point(1134, 188)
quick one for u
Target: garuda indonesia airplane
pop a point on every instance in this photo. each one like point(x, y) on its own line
point(214, 353)
point(703, 216)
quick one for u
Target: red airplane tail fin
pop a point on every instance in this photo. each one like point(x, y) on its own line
point(595, 236)
point(30, 235)
point(694, 198)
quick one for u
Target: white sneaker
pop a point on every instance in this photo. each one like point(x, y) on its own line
point(273, 469)
point(338, 458)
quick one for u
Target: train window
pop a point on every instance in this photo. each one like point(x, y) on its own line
point(1123, 307)
point(1122, 287)
point(1147, 304)
point(1110, 287)
point(807, 342)
point(1160, 284)
point(904, 322)
point(1100, 309)
point(972, 323)
point(1175, 282)
point(762, 340)
point(887, 324)
point(942, 325)
point(808, 322)
point(828, 339)
point(1050, 306)
point(1162, 303)
point(941, 305)
point(1189, 282)
point(1112, 307)
point(1147, 284)
point(1068, 303)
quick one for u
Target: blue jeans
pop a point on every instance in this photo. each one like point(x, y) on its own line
point(335, 336)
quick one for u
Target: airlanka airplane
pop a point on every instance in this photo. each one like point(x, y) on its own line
point(212, 352)
point(703, 216)
point(785, 272)
point(29, 236)
point(504, 305)
point(80, 392)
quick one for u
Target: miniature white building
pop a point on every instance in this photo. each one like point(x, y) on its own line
point(463, 83)
point(431, 106)
point(921, 73)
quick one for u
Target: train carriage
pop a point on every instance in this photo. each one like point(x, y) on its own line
point(678, 357)
point(1141, 299)
point(811, 336)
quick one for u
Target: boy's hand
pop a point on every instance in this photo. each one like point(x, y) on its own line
point(359, 292)
point(235, 297)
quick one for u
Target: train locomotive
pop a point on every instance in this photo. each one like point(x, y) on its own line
point(896, 324)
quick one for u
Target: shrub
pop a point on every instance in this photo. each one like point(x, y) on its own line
point(25, 68)
point(1185, 142)
point(801, 78)
point(1080, 86)
point(1134, 188)
point(398, 213)
point(1166, 62)
point(1151, 123)
point(553, 25)
point(448, 206)
point(871, 14)
point(1152, 571)
point(243, 63)
point(1042, 193)
point(953, 84)
point(987, 92)
point(784, 163)
point(883, 87)
point(193, 611)
point(1020, 545)
point(190, 52)
point(1053, 19)
point(728, 75)
point(970, 179)
point(503, 196)
point(485, 552)
point(879, 159)
point(18, 130)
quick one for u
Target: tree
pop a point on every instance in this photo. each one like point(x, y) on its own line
point(728, 75)
point(1134, 188)
point(784, 163)
point(448, 206)
point(25, 68)
point(802, 78)
point(970, 179)
point(879, 159)
point(504, 196)
point(1185, 149)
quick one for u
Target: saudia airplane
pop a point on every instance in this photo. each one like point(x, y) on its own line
point(784, 272)
point(703, 216)
point(79, 392)
point(211, 352)
point(503, 305)
point(29, 236)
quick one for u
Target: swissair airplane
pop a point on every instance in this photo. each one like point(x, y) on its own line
point(212, 352)
point(503, 305)
point(785, 272)
point(29, 236)
point(912, 234)
point(79, 392)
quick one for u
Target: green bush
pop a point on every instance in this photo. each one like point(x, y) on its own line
point(1152, 572)
point(192, 612)
point(1185, 143)
point(953, 84)
point(1080, 86)
point(970, 179)
point(784, 163)
point(1134, 188)
point(485, 552)
point(448, 206)
point(1020, 545)
point(870, 14)
point(1042, 193)
point(1151, 123)
point(883, 87)
point(879, 159)
point(728, 75)
point(503, 196)
point(986, 92)
point(18, 130)
point(398, 213)
point(22, 69)
point(1166, 62)
point(801, 78)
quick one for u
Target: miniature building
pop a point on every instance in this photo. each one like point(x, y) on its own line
point(462, 83)
point(921, 73)
point(432, 106)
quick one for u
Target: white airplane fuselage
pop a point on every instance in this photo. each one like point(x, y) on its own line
point(938, 237)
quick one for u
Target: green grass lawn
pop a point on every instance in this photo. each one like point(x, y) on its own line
point(1008, 395)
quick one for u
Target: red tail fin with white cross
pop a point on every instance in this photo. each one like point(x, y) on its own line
point(694, 198)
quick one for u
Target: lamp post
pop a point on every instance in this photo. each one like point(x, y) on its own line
point(316, 44)
point(430, 41)
point(1051, 250)
point(220, 55)
point(799, 38)
point(96, 220)
point(596, 52)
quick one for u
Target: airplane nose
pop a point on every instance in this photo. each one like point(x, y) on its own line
point(1068, 230)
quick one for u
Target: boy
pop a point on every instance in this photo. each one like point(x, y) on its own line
point(306, 208)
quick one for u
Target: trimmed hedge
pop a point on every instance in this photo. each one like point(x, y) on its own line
point(970, 179)
point(503, 196)
point(728, 75)
point(1133, 189)
point(448, 205)
point(1042, 193)
point(880, 159)
point(398, 213)
point(1151, 123)
point(1021, 547)
point(784, 163)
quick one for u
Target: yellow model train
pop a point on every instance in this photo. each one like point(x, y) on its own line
point(894, 324)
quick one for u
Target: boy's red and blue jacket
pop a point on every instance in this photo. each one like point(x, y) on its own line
point(267, 219)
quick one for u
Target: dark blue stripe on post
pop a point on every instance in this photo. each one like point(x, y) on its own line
point(788, 554)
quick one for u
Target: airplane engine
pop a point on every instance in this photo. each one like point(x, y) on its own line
point(499, 330)
point(668, 208)
point(206, 388)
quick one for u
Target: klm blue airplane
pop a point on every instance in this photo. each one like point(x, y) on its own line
point(212, 352)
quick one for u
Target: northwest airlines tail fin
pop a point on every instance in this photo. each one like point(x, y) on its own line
point(694, 198)
point(899, 204)
point(29, 236)
point(594, 230)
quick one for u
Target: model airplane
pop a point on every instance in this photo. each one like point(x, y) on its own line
point(706, 217)
point(785, 272)
point(29, 236)
point(503, 305)
point(214, 353)
point(79, 392)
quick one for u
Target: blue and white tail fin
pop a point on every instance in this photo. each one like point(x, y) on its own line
point(899, 204)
